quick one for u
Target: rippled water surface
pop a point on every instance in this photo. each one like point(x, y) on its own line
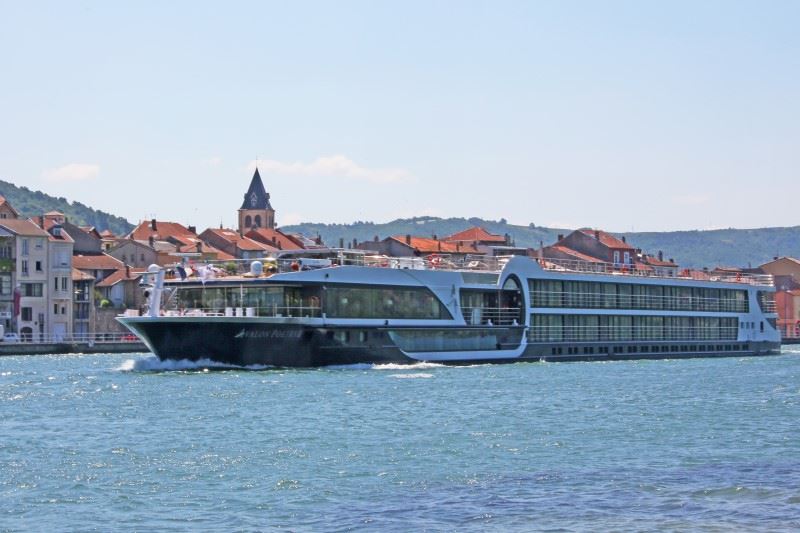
point(124, 442)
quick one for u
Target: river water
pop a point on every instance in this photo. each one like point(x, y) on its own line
point(124, 442)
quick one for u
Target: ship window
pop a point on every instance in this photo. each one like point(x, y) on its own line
point(383, 303)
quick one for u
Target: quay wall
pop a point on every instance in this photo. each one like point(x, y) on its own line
point(35, 348)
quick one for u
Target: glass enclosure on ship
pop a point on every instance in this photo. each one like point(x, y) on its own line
point(310, 301)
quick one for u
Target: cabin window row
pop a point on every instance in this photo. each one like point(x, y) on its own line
point(590, 328)
point(607, 295)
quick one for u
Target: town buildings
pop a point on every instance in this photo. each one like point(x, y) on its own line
point(786, 271)
point(35, 275)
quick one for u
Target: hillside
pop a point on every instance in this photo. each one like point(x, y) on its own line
point(31, 203)
point(728, 247)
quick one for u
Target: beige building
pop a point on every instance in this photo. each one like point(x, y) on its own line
point(35, 276)
point(29, 248)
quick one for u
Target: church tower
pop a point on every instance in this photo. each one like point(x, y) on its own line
point(256, 211)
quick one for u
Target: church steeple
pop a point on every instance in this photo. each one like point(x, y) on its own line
point(256, 211)
point(256, 196)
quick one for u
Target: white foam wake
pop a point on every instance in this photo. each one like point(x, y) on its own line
point(154, 364)
point(415, 366)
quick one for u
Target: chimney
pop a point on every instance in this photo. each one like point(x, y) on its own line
point(597, 234)
point(440, 246)
point(153, 224)
point(355, 243)
point(775, 258)
point(435, 238)
point(408, 240)
point(623, 239)
point(127, 271)
point(341, 242)
point(560, 236)
point(375, 239)
point(192, 229)
point(508, 239)
point(660, 255)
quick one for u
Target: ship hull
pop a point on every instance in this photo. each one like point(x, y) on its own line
point(252, 343)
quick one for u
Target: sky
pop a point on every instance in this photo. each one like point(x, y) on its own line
point(627, 116)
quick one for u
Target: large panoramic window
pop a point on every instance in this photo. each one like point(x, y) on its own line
point(605, 295)
point(601, 328)
point(272, 301)
point(383, 303)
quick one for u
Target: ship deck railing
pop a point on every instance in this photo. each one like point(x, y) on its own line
point(74, 338)
point(468, 263)
point(619, 269)
point(271, 311)
point(492, 316)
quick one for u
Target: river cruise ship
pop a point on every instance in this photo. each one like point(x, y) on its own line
point(317, 312)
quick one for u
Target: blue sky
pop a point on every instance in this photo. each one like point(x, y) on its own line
point(621, 115)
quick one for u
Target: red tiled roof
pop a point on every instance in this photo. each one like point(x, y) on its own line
point(606, 238)
point(120, 275)
point(429, 246)
point(243, 243)
point(4, 202)
point(475, 234)
point(78, 275)
point(163, 230)
point(221, 256)
point(49, 223)
point(274, 239)
point(23, 227)
point(573, 253)
point(96, 262)
point(655, 261)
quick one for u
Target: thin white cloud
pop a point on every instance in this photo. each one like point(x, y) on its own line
point(690, 199)
point(332, 166)
point(214, 161)
point(72, 172)
point(290, 219)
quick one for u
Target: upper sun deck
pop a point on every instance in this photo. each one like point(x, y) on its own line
point(243, 269)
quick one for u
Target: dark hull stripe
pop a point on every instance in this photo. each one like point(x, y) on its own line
point(294, 345)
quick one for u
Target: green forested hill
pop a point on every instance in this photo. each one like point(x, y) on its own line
point(32, 203)
point(727, 247)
